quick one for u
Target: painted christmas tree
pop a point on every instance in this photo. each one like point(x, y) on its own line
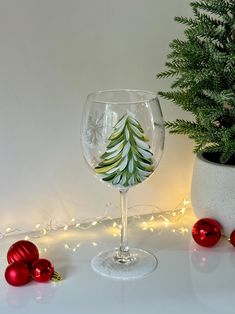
point(128, 159)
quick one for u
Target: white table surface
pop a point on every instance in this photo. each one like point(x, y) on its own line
point(189, 279)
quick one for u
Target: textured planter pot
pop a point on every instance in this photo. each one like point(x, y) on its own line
point(213, 192)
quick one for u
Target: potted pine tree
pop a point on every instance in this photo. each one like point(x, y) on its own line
point(203, 65)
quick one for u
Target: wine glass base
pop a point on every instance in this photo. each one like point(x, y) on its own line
point(140, 264)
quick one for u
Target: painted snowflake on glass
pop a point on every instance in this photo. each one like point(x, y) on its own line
point(94, 130)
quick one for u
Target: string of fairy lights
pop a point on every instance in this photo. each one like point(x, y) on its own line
point(155, 220)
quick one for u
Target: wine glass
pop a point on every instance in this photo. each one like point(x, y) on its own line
point(122, 136)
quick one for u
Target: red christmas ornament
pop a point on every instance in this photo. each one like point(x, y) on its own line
point(232, 238)
point(43, 271)
point(206, 232)
point(17, 274)
point(24, 251)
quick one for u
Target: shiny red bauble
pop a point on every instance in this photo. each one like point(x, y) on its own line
point(206, 232)
point(232, 238)
point(42, 270)
point(24, 251)
point(17, 274)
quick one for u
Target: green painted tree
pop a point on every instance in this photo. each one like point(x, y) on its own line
point(204, 67)
point(128, 159)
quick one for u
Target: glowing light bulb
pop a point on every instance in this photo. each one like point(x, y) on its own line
point(183, 210)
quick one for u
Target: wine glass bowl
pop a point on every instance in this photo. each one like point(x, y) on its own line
point(122, 136)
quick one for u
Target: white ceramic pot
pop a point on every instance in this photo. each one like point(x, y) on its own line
point(213, 192)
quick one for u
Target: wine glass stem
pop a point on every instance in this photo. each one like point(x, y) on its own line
point(124, 249)
point(123, 253)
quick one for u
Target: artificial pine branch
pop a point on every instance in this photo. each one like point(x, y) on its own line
point(203, 65)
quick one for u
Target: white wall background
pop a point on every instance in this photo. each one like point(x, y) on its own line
point(53, 53)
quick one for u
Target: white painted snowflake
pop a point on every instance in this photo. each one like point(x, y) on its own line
point(94, 129)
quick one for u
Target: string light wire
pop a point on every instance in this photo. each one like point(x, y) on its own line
point(154, 218)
